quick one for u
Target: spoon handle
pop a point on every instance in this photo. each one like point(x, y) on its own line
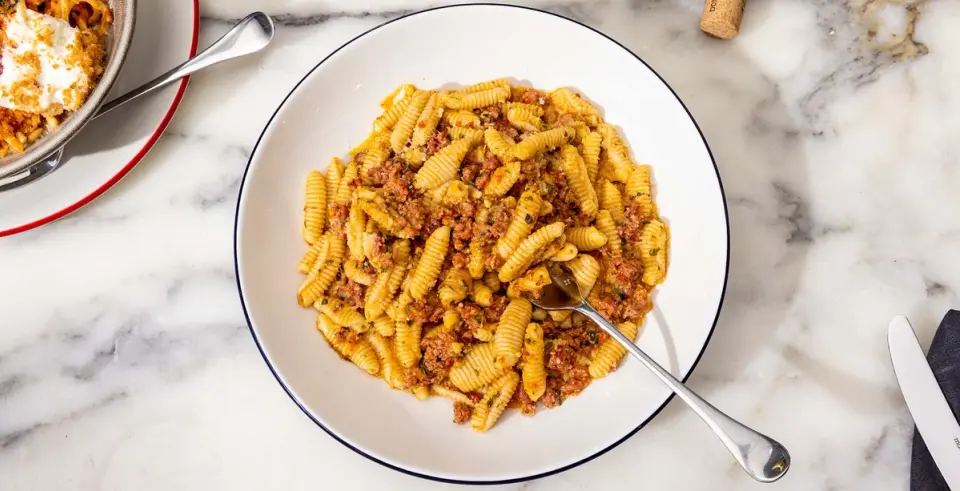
point(762, 457)
point(244, 38)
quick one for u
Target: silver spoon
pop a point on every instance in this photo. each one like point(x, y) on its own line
point(250, 35)
point(760, 456)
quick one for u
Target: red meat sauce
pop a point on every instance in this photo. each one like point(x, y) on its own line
point(461, 413)
point(534, 96)
point(565, 376)
point(480, 173)
point(396, 178)
point(633, 221)
point(506, 129)
point(460, 260)
point(495, 310)
point(348, 291)
point(471, 315)
point(347, 336)
point(623, 297)
point(438, 141)
point(527, 406)
point(424, 311)
point(438, 353)
point(338, 219)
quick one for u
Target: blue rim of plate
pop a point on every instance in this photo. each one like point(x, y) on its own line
point(558, 470)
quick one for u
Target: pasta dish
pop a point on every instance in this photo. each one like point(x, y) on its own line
point(427, 244)
point(53, 54)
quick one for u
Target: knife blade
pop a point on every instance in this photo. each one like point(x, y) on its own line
point(925, 400)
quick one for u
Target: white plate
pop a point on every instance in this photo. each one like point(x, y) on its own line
point(332, 109)
point(108, 148)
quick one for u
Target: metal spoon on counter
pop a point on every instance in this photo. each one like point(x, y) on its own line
point(760, 456)
point(250, 35)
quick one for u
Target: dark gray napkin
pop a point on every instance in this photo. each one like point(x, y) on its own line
point(944, 359)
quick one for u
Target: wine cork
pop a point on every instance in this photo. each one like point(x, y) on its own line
point(721, 18)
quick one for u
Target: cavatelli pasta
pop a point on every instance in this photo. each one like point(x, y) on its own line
point(312, 287)
point(341, 313)
point(524, 218)
point(568, 101)
point(442, 166)
point(476, 260)
point(578, 180)
point(610, 199)
point(526, 117)
point(654, 239)
point(494, 402)
point(454, 395)
point(503, 179)
point(380, 294)
point(406, 340)
point(528, 250)
point(426, 124)
point(498, 144)
point(344, 190)
point(508, 340)
point(586, 238)
point(487, 85)
point(639, 189)
point(333, 182)
point(566, 253)
point(361, 353)
point(451, 319)
point(586, 270)
point(390, 369)
point(404, 127)
point(352, 270)
point(393, 110)
point(375, 155)
point(542, 141)
point(377, 211)
point(608, 227)
point(454, 287)
point(478, 99)
point(461, 118)
point(384, 326)
point(310, 258)
point(591, 154)
point(356, 224)
point(481, 294)
point(476, 369)
point(427, 270)
point(617, 153)
point(609, 354)
point(314, 206)
point(461, 133)
point(533, 368)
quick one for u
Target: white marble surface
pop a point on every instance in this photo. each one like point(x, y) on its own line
point(125, 362)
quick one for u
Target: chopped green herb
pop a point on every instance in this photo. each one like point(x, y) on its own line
point(528, 219)
point(592, 337)
point(654, 251)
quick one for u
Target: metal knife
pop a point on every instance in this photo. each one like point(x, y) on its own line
point(930, 411)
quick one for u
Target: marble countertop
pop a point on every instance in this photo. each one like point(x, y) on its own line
point(125, 362)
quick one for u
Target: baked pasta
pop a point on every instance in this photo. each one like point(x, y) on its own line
point(426, 246)
point(53, 55)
